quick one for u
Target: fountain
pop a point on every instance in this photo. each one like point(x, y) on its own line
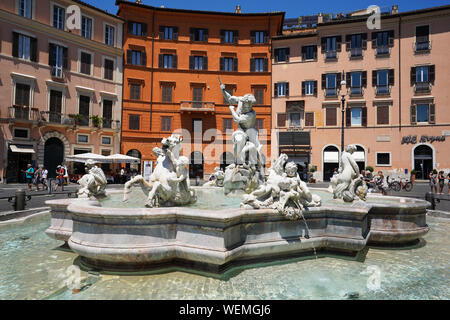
point(166, 222)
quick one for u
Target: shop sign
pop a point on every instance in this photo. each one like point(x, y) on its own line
point(423, 139)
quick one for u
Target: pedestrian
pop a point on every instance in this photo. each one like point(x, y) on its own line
point(37, 177)
point(448, 184)
point(29, 174)
point(433, 180)
point(59, 177)
point(44, 178)
point(441, 179)
point(66, 173)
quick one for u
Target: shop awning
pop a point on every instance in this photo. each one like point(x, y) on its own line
point(331, 157)
point(15, 148)
point(359, 156)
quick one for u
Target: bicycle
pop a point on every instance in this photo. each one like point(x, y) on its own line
point(399, 185)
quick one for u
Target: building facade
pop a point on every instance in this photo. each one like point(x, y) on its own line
point(60, 83)
point(173, 62)
point(396, 92)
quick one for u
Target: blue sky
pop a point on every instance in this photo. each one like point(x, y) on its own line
point(292, 8)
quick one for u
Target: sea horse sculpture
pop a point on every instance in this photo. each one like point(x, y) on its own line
point(169, 183)
point(93, 183)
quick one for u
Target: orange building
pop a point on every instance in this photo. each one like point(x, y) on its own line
point(173, 59)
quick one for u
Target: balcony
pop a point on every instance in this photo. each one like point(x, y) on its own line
point(382, 90)
point(197, 106)
point(331, 55)
point(110, 124)
point(331, 92)
point(422, 44)
point(57, 74)
point(356, 91)
point(356, 53)
point(74, 120)
point(382, 50)
point(23, 114)
point(422, 87)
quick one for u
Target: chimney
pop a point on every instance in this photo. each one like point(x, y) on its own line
point(238, 9)
point(320, 18)
point(395, 9)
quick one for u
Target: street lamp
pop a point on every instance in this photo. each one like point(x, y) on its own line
point(343, 94)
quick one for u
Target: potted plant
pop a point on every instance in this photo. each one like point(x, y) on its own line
point(413, 176)
point(77, 118)
point(369, 168)
point(96, 121)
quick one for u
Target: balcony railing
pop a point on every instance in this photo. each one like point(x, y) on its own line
point(421, 87)
point(356, 91)
point(422, 44)
point(77, 120)
point(331, 54)
point(23, 113)
point(57, 72)
point(383, 49)
point(382, 90)
point(110, 124)
point(197, 106)
point(355, 52)
point(331, 92)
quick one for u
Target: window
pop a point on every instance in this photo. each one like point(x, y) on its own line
point(228, 36)
point(106, 140)
point(356, 84)
point(59, 15)
point(22, 97)
point(281, 120)
point(21, 133)
point(309, 52)
point(382, 82)
point(259, 125)
point(86, 27)
point(198, 34)
point(230, 90)
point(168, 33)
point(308, 88)
point(83, 110)
point(281, 89)
point(166, 124)
point(109, 35)
point(198, 63)
point(137, 28)
point(422, 77)
point(135, 91)
point(331, 116)
point(383, 159)
point(309, 119)
point(422, 113)
point(294, 119)
point(134, 122)
point(355, 43)
point(381, 41)
point(331, 85)
point(24, 47)
point(108, 66)
point(25, 8)
point(57, 59)
point(228, 64)
point(382, 115)
point(55, 107)
point(166, 93)
point(259, 95)
point(330, 46)
point(422, 38)
point(282, 54)
point(356, 116)
point(168, 61)
point(227, 125)
point(83, 138)
point(197, 97)
point(137, 58)
point(258, 37)
point(259, 64)
point(107, 113)
point(85, 66)
point(422, 74)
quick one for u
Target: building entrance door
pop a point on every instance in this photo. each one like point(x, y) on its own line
point(53, 155)
point(423, 161)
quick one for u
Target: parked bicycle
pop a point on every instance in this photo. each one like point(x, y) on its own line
point(401, 185)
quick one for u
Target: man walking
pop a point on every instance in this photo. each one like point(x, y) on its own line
point(29, 173)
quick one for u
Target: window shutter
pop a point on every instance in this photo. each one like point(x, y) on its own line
point(15, 51)
point(222, 63)
point(374, 40)
point(65, 58)
point(287, 89)
point(266, 36)
point(235, 64)
point(413, 76)
point(129, 56)
point(222, 36)
point(348, 79)
point(174, 61)
point(276, 54)
point(161, 60)
point(235, 36)
point(348, 117)
point(288, 53)
point(364, 116)
point(205, 35)
point(391, 38)
point(324, 81)
point(323, 44)
point(175, 33)
point(431, 73)
point(130, 27)
point(338, 79)
point(315, 52)
point(364, 41)
point(431, 115)
point(391, 77)
point(161, 32)
point(192, 32)
point(266, 65)
point(252, 36)
point(348, 42)
point(338, 43)
point(364, 79)
point(275, 89)
point(144, 29)
point(281, 120)
point(374, 78)
point(144, 59)
point(303, 52)
point(252, 64)
point(303, 88)
point(315, 88)
point(413, 114)
point(51, 54)
point(205, 63)
point(191, 62)
point(33, 49)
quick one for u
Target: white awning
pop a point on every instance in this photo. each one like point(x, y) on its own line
point(121, 158)
point(359, 156)
point(83, 157)
point(331, 156)
point(21, 150)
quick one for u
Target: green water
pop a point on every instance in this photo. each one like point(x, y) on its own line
point(33, 267)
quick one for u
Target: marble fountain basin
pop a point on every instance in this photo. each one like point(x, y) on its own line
point(215, 233)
